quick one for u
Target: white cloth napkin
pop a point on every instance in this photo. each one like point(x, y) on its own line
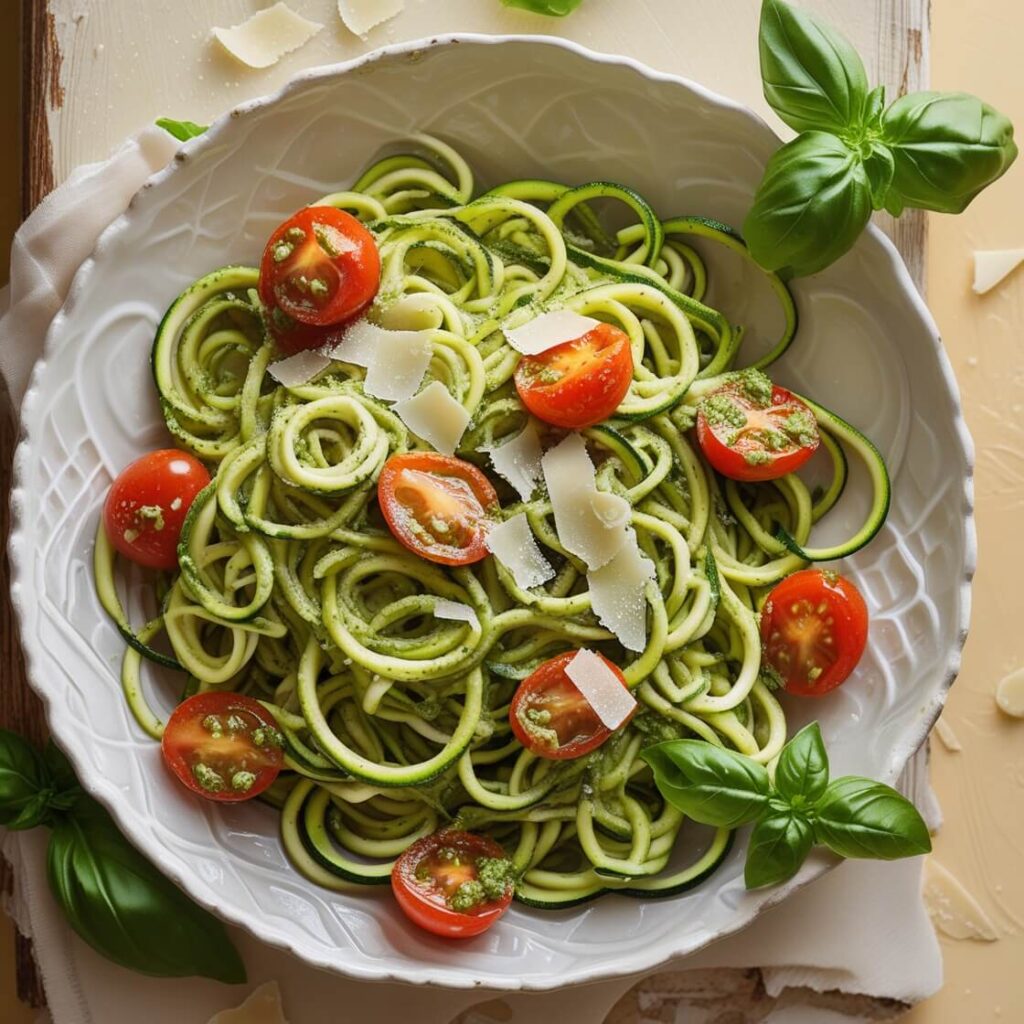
point(861, 929)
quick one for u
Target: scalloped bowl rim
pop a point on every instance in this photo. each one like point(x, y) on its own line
point(111, 798)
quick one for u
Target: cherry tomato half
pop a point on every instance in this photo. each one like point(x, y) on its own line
point(437, 506)
point(320, 267)
point(748, 432)
point(147, 504)
point(814, 627)
point(454, 884)
point(580, 382)
point(223, 746)
point(551, 718)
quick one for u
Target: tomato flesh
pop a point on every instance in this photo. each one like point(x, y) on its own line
point(453, 884)
point(223, 746)
point(551, 718)
point(814, 628)
point(437, 506)
point(321, 267)
point(752, 430)
point(147, 504)
point(580, 382)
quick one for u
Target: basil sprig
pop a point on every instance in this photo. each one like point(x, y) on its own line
point(798, 809)
point(929, 150)
point(111, 895)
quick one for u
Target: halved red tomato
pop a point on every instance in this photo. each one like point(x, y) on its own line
point(454, 884)
point(814, 628)
point(320, 267)
point(551, 718)
point(223, 746)
point(753, 430)
point(437, 506)
point(147, 504)
point(580, 382)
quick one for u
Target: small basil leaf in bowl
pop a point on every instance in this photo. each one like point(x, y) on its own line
point(553, 8)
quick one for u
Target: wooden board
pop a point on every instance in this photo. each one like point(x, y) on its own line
point(892, 35)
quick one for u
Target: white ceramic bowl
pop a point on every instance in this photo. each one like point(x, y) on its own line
point(516, 107)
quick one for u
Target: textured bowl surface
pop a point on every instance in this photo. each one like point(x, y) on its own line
point(515, 107)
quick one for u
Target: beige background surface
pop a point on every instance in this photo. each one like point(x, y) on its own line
point(976, 47)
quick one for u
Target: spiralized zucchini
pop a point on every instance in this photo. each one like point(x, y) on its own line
point(292, 589)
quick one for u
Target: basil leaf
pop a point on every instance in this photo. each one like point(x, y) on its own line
point(126, 910)
point(880, 167)
point(183, 130)
point(812, 77)
point(801, 773)
point(779, 844)
point(554, 8)
point(811, 206)
point(947, 148)
point(859, 817)
point(24, 783)
point(709, 784)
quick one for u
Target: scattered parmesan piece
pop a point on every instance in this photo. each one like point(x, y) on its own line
point(436, 417)
point(518, 460)
point(267, 36)
point(298, 369)
point(611, 701)
point(1010, 694)
point(992, 268)
point(514, 545)
point(953, 910)
point(356, 345)
point(395, 361)
point(262, 1007)
point(591, 524)
point(360, 16)
point(456, 611)
point(548, 330)
point(618, 594)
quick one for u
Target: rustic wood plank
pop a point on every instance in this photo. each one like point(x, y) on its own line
point(41, 86)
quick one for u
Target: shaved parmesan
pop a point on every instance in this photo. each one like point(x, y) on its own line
point(518, 460)
point(267, 36)
point(548, 330)
point(395, 361)
point(611, 701)
point(514, 545)
point(436, 417)
point(992, 268)
point(455, 611)
point(298, 369)
point(262, 1007)
point(591, 524)
point(360, 16)
point(618, 594)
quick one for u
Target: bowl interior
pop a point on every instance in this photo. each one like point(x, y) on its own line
point(515, 108)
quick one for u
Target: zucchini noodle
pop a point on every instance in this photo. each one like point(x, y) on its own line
point(291, 588)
